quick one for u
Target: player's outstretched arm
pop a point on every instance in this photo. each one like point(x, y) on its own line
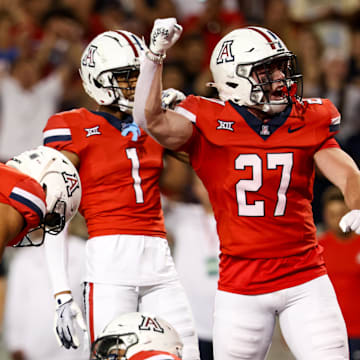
point(343, 172)
point(68, 318)
point(167, 127)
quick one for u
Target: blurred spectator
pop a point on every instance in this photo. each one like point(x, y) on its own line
point(213, 23)
point(27, 97)
point(277, 19)
point(192, 228)
point(253, 10)
point(354, 68)
point(146, 11)
point(175, 181)
point(335, 87)
point(342, 258)
point(173, 76)
point(110, 15)
point(309, 59)
point(195, 65)
point(11, 33)
point(29, 304)
point(328, 18)
point(30, 26)
point(352, 144)
point(189, 8)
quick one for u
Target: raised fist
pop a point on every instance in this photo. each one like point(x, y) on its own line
point(164, 34)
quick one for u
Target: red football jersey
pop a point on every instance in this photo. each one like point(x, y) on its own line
point(119, 177)
point(259, 176)
point(342, 259)
point(154, 355)
point(25, 195)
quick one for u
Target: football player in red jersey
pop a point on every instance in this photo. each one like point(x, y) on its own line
point(40, 189)
point(128, 262)
point(137, 336)
point(255, 150)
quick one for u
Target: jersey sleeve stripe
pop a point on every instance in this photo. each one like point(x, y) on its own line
point(336, 120)
point(30, 200)
point(186, 113)
point(54, 135)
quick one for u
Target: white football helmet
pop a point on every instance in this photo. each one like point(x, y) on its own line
point(236, 56)
point(61, 182)
point(133, 332)
point(108, 55)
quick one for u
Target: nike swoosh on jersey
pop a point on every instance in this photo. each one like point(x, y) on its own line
point(291, 130)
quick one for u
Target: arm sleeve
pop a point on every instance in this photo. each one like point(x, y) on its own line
point(147, 72)
point(56, 253)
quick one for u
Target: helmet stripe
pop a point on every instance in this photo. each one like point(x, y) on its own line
point(271, 43)
point(129, 41)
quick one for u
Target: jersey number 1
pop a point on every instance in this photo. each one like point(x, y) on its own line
point(135, 165)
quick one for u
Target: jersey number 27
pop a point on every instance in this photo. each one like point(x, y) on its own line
point(273, 160)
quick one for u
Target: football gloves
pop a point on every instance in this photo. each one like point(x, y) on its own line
point(351, 222)
point(170, 98)
point(164, 35)
point(68, 318)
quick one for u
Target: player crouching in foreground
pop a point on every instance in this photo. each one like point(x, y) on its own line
point(136, 336)
point(40, 189)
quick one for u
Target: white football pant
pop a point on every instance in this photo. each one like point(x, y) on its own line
point(309, 316)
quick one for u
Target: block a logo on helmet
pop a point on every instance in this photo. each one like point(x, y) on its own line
point(72, 183)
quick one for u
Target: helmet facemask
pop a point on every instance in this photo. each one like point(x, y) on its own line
point(287, 89)
point(121, 83)
point(113, 347)
point(53, 223)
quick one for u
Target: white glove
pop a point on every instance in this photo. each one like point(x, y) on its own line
point(164, 34)
point(351, 221)
point(68, 317)
point(170, 98)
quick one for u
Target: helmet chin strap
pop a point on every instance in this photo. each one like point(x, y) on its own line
point(273, 109)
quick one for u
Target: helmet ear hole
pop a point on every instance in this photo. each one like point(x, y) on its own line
point(232, 85)
point(97, 84)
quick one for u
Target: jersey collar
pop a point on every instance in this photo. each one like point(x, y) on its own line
point(113, 120)
point(263, 129)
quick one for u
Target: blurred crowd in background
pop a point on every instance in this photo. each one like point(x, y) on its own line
point(41, 42)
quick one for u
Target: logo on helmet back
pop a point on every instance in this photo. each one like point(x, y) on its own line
point(71, 181)
point(149, 323)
